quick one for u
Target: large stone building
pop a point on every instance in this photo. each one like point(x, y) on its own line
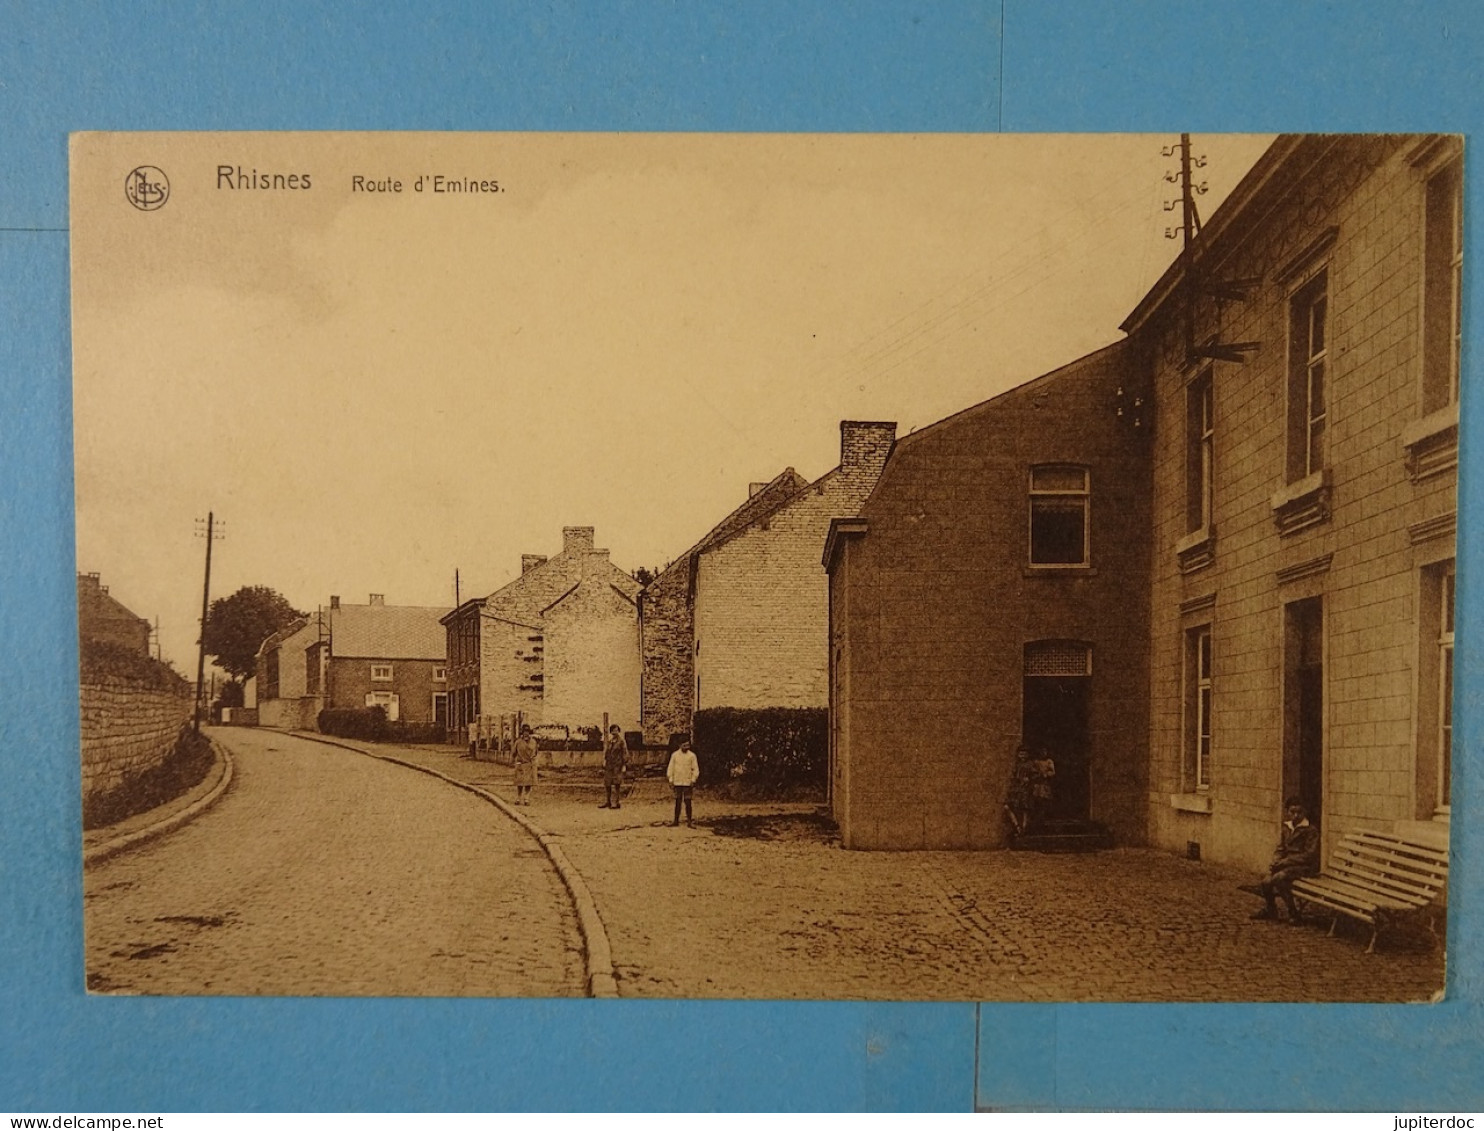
point(667, 617)
point(559, 645)
point(1304, 501)
point(1288, 414)
point(761, 608)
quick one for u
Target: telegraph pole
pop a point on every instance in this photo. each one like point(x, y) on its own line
point(1195, 281)
point(211, 534)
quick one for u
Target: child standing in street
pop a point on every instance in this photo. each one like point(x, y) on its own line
point(615, 761)
point(682, 772)
point(524, 752)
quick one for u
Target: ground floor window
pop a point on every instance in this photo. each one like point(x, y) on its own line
point(1435, 691)
point(386, 700)
point(1199, 663)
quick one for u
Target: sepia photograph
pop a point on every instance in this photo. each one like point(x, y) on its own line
point(945, 567)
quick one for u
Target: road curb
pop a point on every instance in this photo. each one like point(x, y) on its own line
point(107, 848)
point(600, 981)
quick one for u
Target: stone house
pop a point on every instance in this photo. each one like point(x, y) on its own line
point(989, 592)
point(103, 617)
point(380, 655)
point(1291, 484)
point(667, 693)
point(558, 645)
point(761, 606)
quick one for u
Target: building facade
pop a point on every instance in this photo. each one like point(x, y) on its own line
point(558, 646)
point(761, 608)
point(667, 617)
point(283, 698)
point(991, 591)
point(1304, 499)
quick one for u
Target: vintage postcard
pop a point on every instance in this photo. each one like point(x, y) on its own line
point(946, 567)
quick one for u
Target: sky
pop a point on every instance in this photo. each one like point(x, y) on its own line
point(373, 389)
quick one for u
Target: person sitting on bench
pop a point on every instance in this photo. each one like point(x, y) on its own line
point(1297, 855)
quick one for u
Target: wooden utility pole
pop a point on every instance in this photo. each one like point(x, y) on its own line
point(211, 535)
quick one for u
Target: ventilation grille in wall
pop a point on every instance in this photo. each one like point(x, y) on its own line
point(1058, 657)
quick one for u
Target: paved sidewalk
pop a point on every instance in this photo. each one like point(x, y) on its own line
point(760, 901)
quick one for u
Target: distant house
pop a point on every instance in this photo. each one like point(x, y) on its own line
point(104, 618)
point(283, 698)
point(761, 608)
point(667, 617)
point(379, 655)
point(559, 645)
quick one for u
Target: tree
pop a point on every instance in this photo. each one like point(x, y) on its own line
point(236, 627)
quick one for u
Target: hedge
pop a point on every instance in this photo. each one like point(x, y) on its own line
point(366, 723)
point(100, 658)
point(770, 747)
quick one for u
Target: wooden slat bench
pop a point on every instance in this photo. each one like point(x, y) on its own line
point(1376, 878)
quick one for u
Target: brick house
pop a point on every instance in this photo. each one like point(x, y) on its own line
point(558, 645)
point(103, 617)
point(1296, 376)
point(667, 617)
point(761, 607)
point(391, 656)
point(988, 591)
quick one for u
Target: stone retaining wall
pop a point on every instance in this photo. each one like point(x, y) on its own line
point(127, 728)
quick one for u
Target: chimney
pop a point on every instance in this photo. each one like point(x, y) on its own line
point(577, 539)
point(754, 488)
point(529, 562)
point(377, 599)
point(334, 601)
point(865, 444)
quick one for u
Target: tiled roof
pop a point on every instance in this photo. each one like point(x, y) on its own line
point(95, 603)
point(388, 632)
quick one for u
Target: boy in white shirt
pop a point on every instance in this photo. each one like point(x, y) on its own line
point(682, 772)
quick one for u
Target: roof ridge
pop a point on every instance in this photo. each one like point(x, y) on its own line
point(717, 533)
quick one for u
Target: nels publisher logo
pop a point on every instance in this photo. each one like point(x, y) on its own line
point(147, 188)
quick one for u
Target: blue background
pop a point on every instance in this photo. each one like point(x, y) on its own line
point(590, 65)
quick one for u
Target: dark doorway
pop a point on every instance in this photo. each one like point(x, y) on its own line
point(1055, 721)
point(1303, 704)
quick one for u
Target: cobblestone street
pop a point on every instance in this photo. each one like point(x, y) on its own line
point(325, 872)
point(759, 901)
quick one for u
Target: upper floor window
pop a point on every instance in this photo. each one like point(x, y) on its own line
point(381, 672)
point(1443, 289)
point(1200, 435)
point(1308, 376)
point(1059, 515)
point(440, 674)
